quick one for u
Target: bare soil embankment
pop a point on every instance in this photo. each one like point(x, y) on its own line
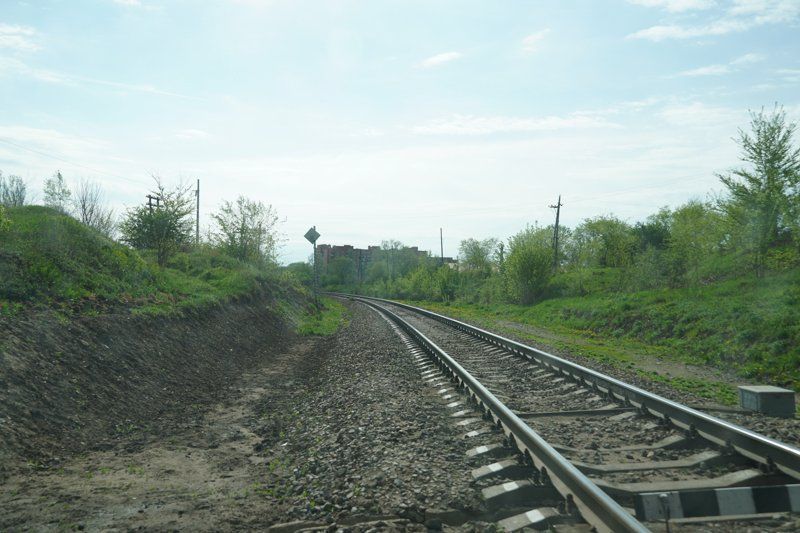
point(320, 431)
point(79, 383)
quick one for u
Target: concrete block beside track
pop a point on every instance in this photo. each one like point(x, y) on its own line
point(768, 400)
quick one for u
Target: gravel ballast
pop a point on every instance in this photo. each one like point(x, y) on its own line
point(368, 438)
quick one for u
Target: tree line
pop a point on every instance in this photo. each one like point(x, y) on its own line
point(244, 229)
point(752, 228)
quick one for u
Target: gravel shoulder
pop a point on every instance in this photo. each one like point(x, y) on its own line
point(334, 429)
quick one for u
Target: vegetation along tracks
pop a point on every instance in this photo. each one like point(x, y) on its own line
point(614, 446)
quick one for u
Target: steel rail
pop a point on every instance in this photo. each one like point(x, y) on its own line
point(760, 448)
point(595, 506)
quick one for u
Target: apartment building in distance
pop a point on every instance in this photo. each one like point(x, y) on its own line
point(362, 257)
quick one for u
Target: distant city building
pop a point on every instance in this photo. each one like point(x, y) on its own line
point(362, 257)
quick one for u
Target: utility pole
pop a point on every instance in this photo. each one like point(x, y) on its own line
point(557, 207)
point(150, 199)
point(441, 247)
point(197, 210)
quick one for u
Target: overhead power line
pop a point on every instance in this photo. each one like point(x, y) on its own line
point(68, 162)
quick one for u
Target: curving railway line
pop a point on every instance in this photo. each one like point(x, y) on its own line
point(558, 443)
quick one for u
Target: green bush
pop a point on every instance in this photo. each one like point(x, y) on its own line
point(529, 265)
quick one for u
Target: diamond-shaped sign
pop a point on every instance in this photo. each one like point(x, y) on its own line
point(312, 235)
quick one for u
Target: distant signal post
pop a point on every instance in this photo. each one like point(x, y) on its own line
point(311, 236)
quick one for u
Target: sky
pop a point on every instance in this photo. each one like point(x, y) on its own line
point(392, 119)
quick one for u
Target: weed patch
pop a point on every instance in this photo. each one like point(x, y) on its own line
point(331, 317)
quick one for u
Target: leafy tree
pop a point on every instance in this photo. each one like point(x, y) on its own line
point(89, 209)
point(302, 271)
point(389, 252)
point(421, 282)
point(164, 229)
point(763, 197)
point(694, 239)
point(56, 193)
point(446, 282)
point(13, 191)
point(476, 255)
point(500, 255)
point(529, 264)
point(407, 260)
point(5, 223)
point(378, 270)
point(654, 232)
point(341, 271)
point(604, 241)
point(247, 230)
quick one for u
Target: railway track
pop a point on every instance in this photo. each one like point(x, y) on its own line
point(579, 447)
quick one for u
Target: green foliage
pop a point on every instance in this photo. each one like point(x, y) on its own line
point(477, 255)
point(246, 230)
point(165, 228)
point(696, 234)
point(763, 202)
point(46, 256)
point(331, 317)
point(5, 223)
point(56, 193)
point(303, 272)
point(13, 191)
point(529, 264)
point(603, 241)
point(655, 231)
point(341, 272)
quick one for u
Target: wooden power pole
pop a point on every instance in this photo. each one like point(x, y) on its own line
point(557, 207)
point(441, 247)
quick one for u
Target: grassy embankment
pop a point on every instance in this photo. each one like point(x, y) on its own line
point(748, 326)
point(332, 316)
point(51, 260)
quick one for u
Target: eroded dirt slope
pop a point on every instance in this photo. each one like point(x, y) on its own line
point(339, 429)
point(70, 385)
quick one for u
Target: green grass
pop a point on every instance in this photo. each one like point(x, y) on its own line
point(748, 326)
point(47, 258)
point(331, 317)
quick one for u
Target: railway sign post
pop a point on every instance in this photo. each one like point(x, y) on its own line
point(311, 236)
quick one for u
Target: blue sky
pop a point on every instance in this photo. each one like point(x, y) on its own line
point(390, 119)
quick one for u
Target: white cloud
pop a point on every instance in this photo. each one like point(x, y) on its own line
point(698, 114)
point(131, 3)
point(439, 59)
point(14, 66)
point(767, 11)
point(717, 70)
point(676, 6)
point(472, 125)
point(661, 33)
point(18, 38)
point(790, 75)
point(530, 43)
point(51, 140)
point(190, 134)
point(748, 59)
point(710, 70)
point(741, 16)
